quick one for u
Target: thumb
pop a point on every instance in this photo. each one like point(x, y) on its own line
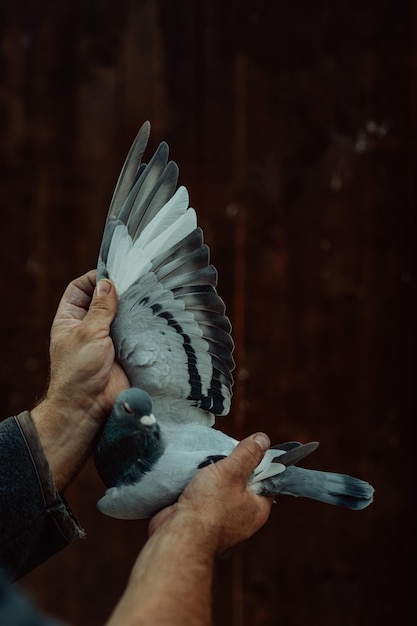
point(249, 453)
point(103, 307)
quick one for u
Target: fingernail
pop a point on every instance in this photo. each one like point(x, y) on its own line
point(103, 287)
point(262, 440)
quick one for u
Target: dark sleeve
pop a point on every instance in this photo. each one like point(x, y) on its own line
point(35, 520)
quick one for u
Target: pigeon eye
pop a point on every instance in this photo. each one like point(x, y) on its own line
point(127, 408)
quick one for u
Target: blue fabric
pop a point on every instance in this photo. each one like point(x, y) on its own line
point(17, 610)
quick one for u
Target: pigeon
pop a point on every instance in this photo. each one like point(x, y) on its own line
point(173, 339)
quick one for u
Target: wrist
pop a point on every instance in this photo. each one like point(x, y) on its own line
point(76, 398)
point(195, 529)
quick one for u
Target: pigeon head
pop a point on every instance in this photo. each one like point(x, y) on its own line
point(131, 442)
point(134, 403)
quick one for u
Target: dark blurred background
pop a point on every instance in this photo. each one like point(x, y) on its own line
point(295, 128)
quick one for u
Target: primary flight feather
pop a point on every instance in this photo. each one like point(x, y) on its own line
point(173, 339)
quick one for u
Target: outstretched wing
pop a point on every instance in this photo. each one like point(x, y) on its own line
point(171, 333)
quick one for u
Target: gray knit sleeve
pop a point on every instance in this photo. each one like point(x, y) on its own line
point(35, 520)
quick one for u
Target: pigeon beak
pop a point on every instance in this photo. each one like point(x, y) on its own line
point(148, 420)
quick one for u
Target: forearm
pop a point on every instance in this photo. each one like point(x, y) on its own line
point(67, 438)
point(171, 581)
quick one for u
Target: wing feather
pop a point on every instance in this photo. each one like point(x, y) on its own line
point(190, 243)
point(130, 169)
point(171, 333)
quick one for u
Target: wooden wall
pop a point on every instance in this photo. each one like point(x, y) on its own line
point(295, 128)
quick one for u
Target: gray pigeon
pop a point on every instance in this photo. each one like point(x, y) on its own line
point(173, 339)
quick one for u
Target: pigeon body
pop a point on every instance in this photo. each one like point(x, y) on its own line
point(138, 488)
point(173, 340)
point(184, 448)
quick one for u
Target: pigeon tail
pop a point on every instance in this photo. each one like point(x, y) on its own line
point(337, 489)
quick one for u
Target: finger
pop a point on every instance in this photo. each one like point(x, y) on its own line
point(103, 306)
point(87, 282)
point(77, 296)
point(83, 286)
point(249, 453)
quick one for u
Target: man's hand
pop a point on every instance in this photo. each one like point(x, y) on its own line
point(171, 580)
point(218, 501)
point(84, 374)
point(84, 377)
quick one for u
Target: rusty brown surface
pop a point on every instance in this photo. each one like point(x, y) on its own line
point(295, 129)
